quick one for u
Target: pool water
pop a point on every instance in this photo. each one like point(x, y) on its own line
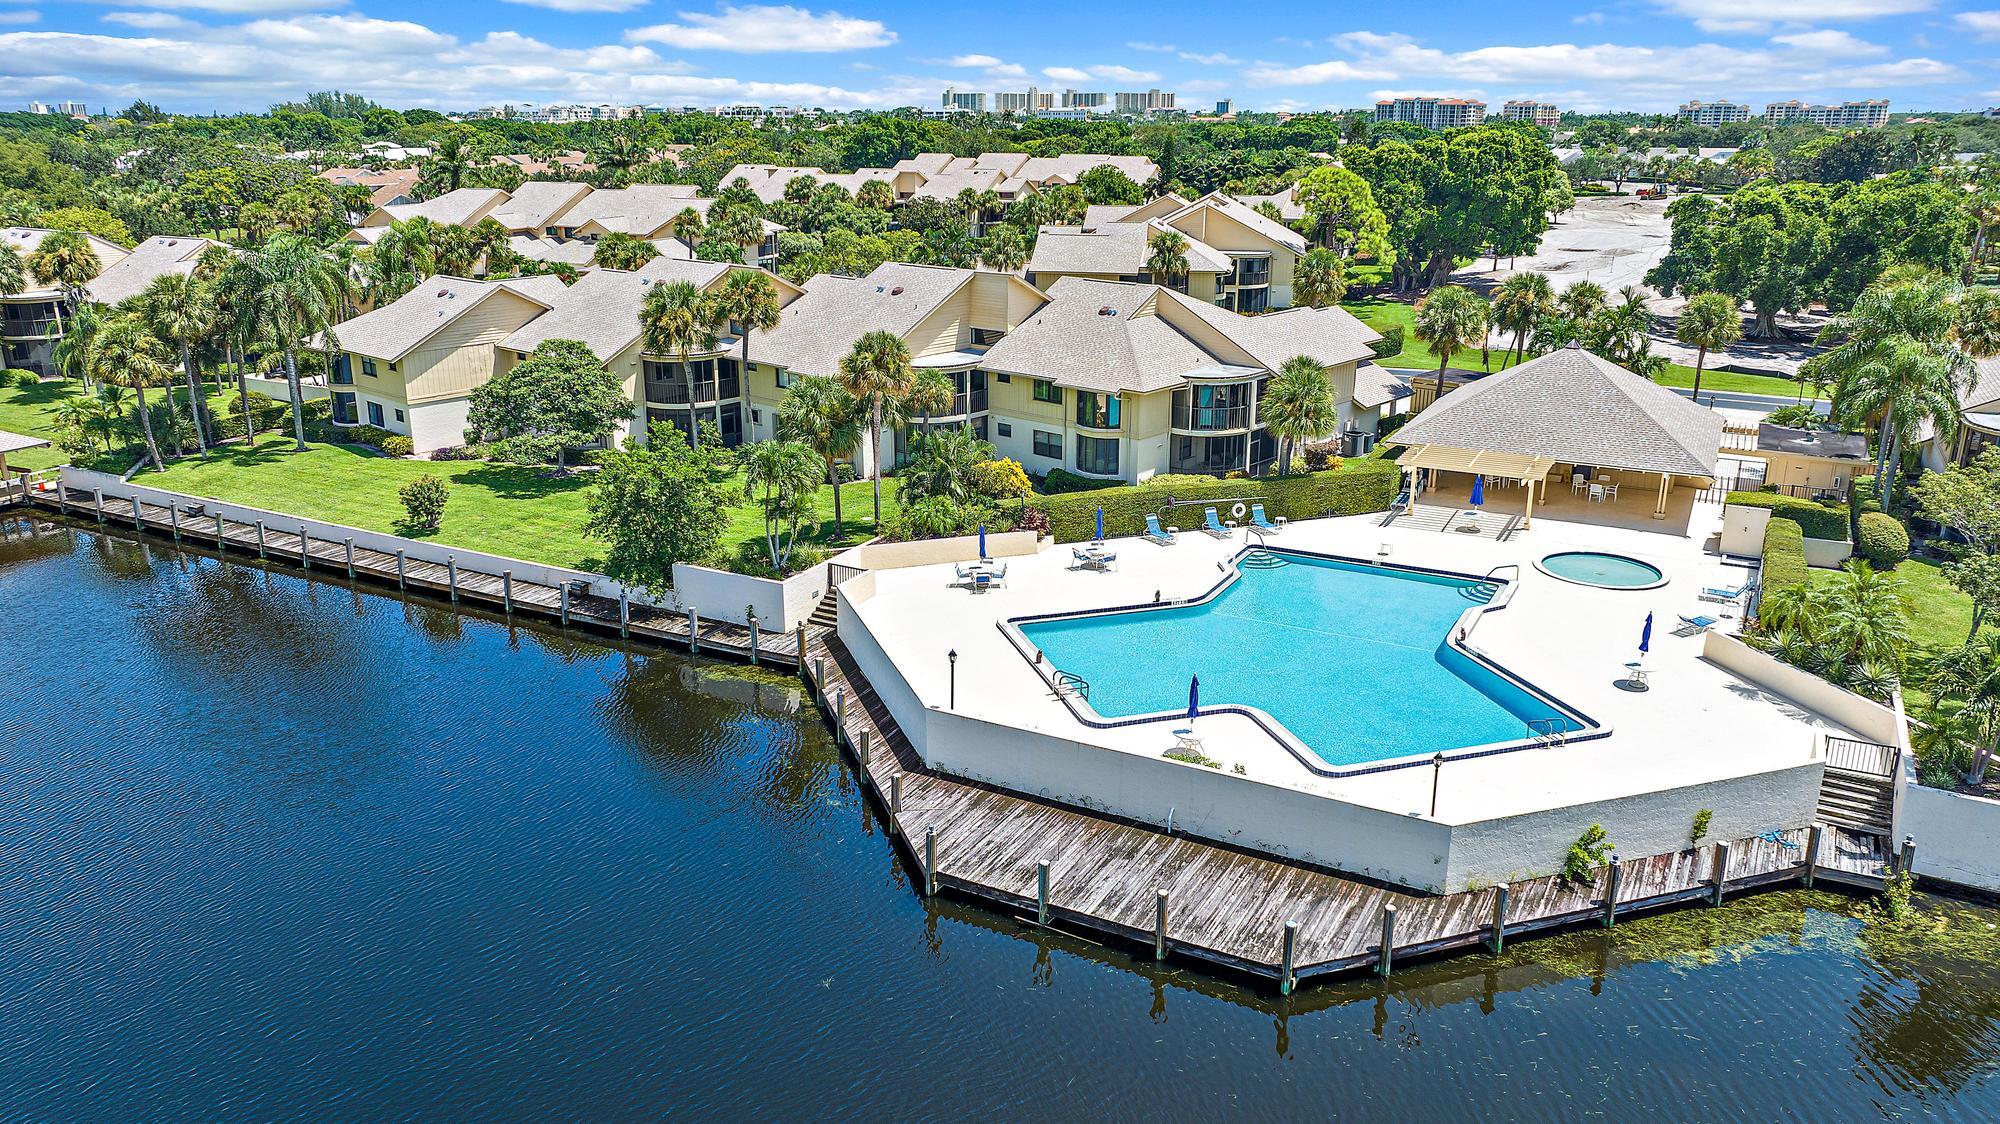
point(1350, 658)
point(1608, 571)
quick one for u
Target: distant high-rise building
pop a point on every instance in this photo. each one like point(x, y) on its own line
point(1872, 114)
point(1540, 112)
point(1432, 113)
point(1140, 104)
point(1083, 99)
point(1225, 106)
point(964, 99)
point(1713, 113)
point(64, 108)
point(1008, 102)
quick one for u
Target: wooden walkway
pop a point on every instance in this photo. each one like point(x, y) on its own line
point(195, 527)
point(1225, 908)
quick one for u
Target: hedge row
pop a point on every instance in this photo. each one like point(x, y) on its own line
point(1359, 485)
point(1817, 520)
point(1784, 554)
point(1881, 540)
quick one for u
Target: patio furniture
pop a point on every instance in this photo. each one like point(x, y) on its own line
point(1597, 493)
point(1091, 558)
point(1611, 490)
point(1696, 625)
point(986, 578)
point(1258, 520)
point(1726, 595)
point(1156, 533)
point(1577, 484)
point(1211, 525)
point(1636, 673)
point(1185, 739)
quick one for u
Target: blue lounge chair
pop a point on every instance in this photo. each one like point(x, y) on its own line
point(1696, 625)
point(1211, 525)
point(1258, 520)
point(1726, 594)
point(1157, 533)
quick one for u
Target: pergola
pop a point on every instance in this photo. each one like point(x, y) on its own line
point(14, 443)
point(1529, 469)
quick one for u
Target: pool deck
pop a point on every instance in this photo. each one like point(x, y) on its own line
point(1696, 723)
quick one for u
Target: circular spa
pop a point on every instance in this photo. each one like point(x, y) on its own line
point(1605, 571)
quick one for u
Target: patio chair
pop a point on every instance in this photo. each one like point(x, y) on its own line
point(1097, 559)
point(1597, 493)
point(1157, 533)
point(1258, 520)
point(1211, 525)
point(1610, 489)
point(1726, 595)
point(1695, 625)
point(1185, 739)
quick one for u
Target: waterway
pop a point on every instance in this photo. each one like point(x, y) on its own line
point(274, 848)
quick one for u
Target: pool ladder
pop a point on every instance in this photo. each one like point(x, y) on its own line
point(1548, 731)
point(1072, 683)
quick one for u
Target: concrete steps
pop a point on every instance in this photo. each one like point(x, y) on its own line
point(1856, 800)
point(826, 614)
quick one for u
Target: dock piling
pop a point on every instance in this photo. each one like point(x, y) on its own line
point(350, 555)
point(1612, 878)
point(1287, 976)
point(402, 570)
point(801, 637)
point(1498, 941)
point(174, 521)
point(839, 715)
point(138, 524)
point(896, 800)
point(451, 574)
point(1906, 860)
point(97, 496)
point(260, 538)
point(1386, 961)
point(562, 604)
point(624, 612)
point(930, 861)
point(1042, 894)
point(507, 591)
point(694, 631)
point(819, 677)
point(1812, 854)
point(221, 537)
point(1721, 870)
point(305, 547)
point(753, 641)
point(1159, 924)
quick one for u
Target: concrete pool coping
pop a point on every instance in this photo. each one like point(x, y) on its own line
point(1542, 565)
point(1457, 637)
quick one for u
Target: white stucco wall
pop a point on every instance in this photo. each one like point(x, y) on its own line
point(1957, 836)
point(722, 596)
point(438, 425)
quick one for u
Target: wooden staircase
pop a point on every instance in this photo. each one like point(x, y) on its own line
point(826, 614)
point(1860, 801)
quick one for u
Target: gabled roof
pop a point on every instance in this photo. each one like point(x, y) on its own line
point(464, 207)
point(821, 326)
point(1228, 205)
point(1286, 201)
point(640, 209)
point(1067, 168)
point(602, 308)
point(1983, 396)
point(1330, 335)
point(1578, 408)
point(25, 239)
point(575, 253)
point(1115, 248)
point(1376, 386)
point(530, 206)
point(399, 327)
point(384, 187)
point(148, 260)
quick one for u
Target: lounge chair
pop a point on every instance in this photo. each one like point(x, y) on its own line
point(1724, 594)
point(1210, 525)
point(1696, 625)
point(1258, 520)
point(1157, 533)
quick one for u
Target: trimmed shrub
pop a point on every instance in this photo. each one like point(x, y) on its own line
point(1881, 540)
point(423, 500)
point(1062, 480)
point(266, 411)
point(1391, 343)
point(1815, 520)
point(397, 445)
point(15, 376)
point(1359, 485)
point(1784, 554)
point(1321, 456)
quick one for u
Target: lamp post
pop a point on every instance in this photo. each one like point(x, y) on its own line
point(1437, 774)
point(953, 657)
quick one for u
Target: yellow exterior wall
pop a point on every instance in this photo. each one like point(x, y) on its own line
point(461, 356)
point(1807, 471)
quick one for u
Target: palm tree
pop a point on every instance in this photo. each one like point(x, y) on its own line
point(1451, 319)
point(1971, 674)
point(678, 319)
point(1166, 260)
point(623, 251)
point(181, 314)
point(1582, 300)
point(298, 292)
point(72, 351)
point(228, 280)
point(1519, 302)
point(1977, 323)
point(1320, 278)
point(1004, 249)
point(13, 275)
point(1710, 320)
point(64, 259)
point(400, 260)
point(875, 371)
point(749, 298)
point(449, 159)
point(931, 392)
point(1298, 406)
point(782, 476)
point(128, 355)
point(876, 194)
point(819, 412)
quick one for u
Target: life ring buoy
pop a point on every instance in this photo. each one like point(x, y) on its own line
point(1237, 511)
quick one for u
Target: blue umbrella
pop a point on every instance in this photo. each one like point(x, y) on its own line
point(1194, 697)
point(1646, 636)
point(982, 540)
point(1100, 522)
point(1479, 491)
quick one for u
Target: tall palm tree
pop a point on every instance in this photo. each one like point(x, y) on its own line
point(931, 392)
point(1971, 674)
point(65, 259)
point(1710, 321)
point(623, 251)
point(678, 319)
point(819, 412)
point(128, 355)
point(1451, 319)
point(400, 260)
point(876, 195)
point(72, 351)
point(227, 277)
point(13, 274)
point(1320, 278)
point(782, 476)
point(874, 372)
point(1167, 260)
point(1004, 248)
point(1519, 302)
point(298, 292)
point(1582, 300)
point(181, 314)
point(1298, 406)
point(749, 298)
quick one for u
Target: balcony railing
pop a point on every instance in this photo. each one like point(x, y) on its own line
point(1211, 418)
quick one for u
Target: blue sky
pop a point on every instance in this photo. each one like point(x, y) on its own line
point(200, 55)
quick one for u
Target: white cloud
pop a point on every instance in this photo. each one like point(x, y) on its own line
point(1008, 72)
point(1218, 58)
point(18, 18)
point(1108, 73)
point(1066, 74)
point(1314, 73)
point(1588, 18)
point(1836, 43)
point(584, 5)
point(972, 60)
point(758, 29)
point(150, 21)
point(1755, 16)
point(1986, 25)
point(241, 7)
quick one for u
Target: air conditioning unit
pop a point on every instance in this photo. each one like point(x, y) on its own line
point(1357, 442)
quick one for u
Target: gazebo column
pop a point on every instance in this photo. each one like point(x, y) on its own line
point(1529, 519)
point(1666, 483)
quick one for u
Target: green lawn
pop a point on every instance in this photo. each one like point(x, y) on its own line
point(1381, 314)
point(32, 411)
point(500, 509)
point(1940, 616)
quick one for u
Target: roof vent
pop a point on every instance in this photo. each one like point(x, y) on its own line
point(896, 292)
point(1574, 345)
point(1107, 310)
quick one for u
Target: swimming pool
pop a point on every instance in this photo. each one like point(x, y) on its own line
point(1605, 571)
point(1350, 658)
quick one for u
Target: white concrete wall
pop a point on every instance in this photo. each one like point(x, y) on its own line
point(932, 552)
point(438, 425)
point(1828, 554)
point(1743, 536)
point(723, 596)
point(1867, 718)
point(278, 389)
point(1955, 835)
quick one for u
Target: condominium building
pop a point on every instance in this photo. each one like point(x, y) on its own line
point(968, 100)
point(1083, 99)
point(1031, 100)
point(1432, 113)
point(32, 320)
point(1139, 104)
point(61, 108)
point(1714, 113)
point(1541, 113)
point(1870, 114)
point(1237, 257)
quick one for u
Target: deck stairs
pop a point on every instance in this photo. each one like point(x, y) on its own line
point(1859, 801)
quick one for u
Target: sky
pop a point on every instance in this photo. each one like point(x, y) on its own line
point(1648, 55)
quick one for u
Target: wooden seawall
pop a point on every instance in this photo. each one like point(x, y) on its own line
point(1228, 909)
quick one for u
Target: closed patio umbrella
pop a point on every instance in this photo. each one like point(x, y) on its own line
point(982, 540)
point(1479, 491)
point(1646, 636)
point(1194, 697)
point(1100, 523)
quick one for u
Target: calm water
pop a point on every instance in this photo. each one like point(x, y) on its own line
point(1350, 658)
point(272, 849)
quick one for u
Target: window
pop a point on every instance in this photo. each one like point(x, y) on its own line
point(1252, 300)
point(1097, 411)
point(1046, 391)
point(784, 378)
point(368, 366)
point(1001, 377)
point(981, 337)
point(375, 414)
point(343, 408)
point(1005, 429)
point(756, 417)
point(399, 415)
point(1048, 444)
point(343, 370)
point(1097, 456)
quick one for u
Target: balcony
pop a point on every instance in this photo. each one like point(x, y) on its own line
point(1211, 419)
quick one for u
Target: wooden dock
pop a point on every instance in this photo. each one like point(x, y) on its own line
point(301, 549)
point(1229, 909)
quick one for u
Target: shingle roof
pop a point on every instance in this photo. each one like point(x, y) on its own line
point(395, 329)
point(1984, 393)
point(1330, 335)
point(1099, 336)
point(25, 239)
point(1116, 248)
point(640, 209)
point(1376, 386)
point(814, 331)
point(453, 208)
point(602, 308)
point(1097, 214)
point(1287, 202)
point(531, 205)
point(1276, 231)
point(1069, 166)
point(1575, 406)
point(542, 249)
point(384, 187)
point(148, 260)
